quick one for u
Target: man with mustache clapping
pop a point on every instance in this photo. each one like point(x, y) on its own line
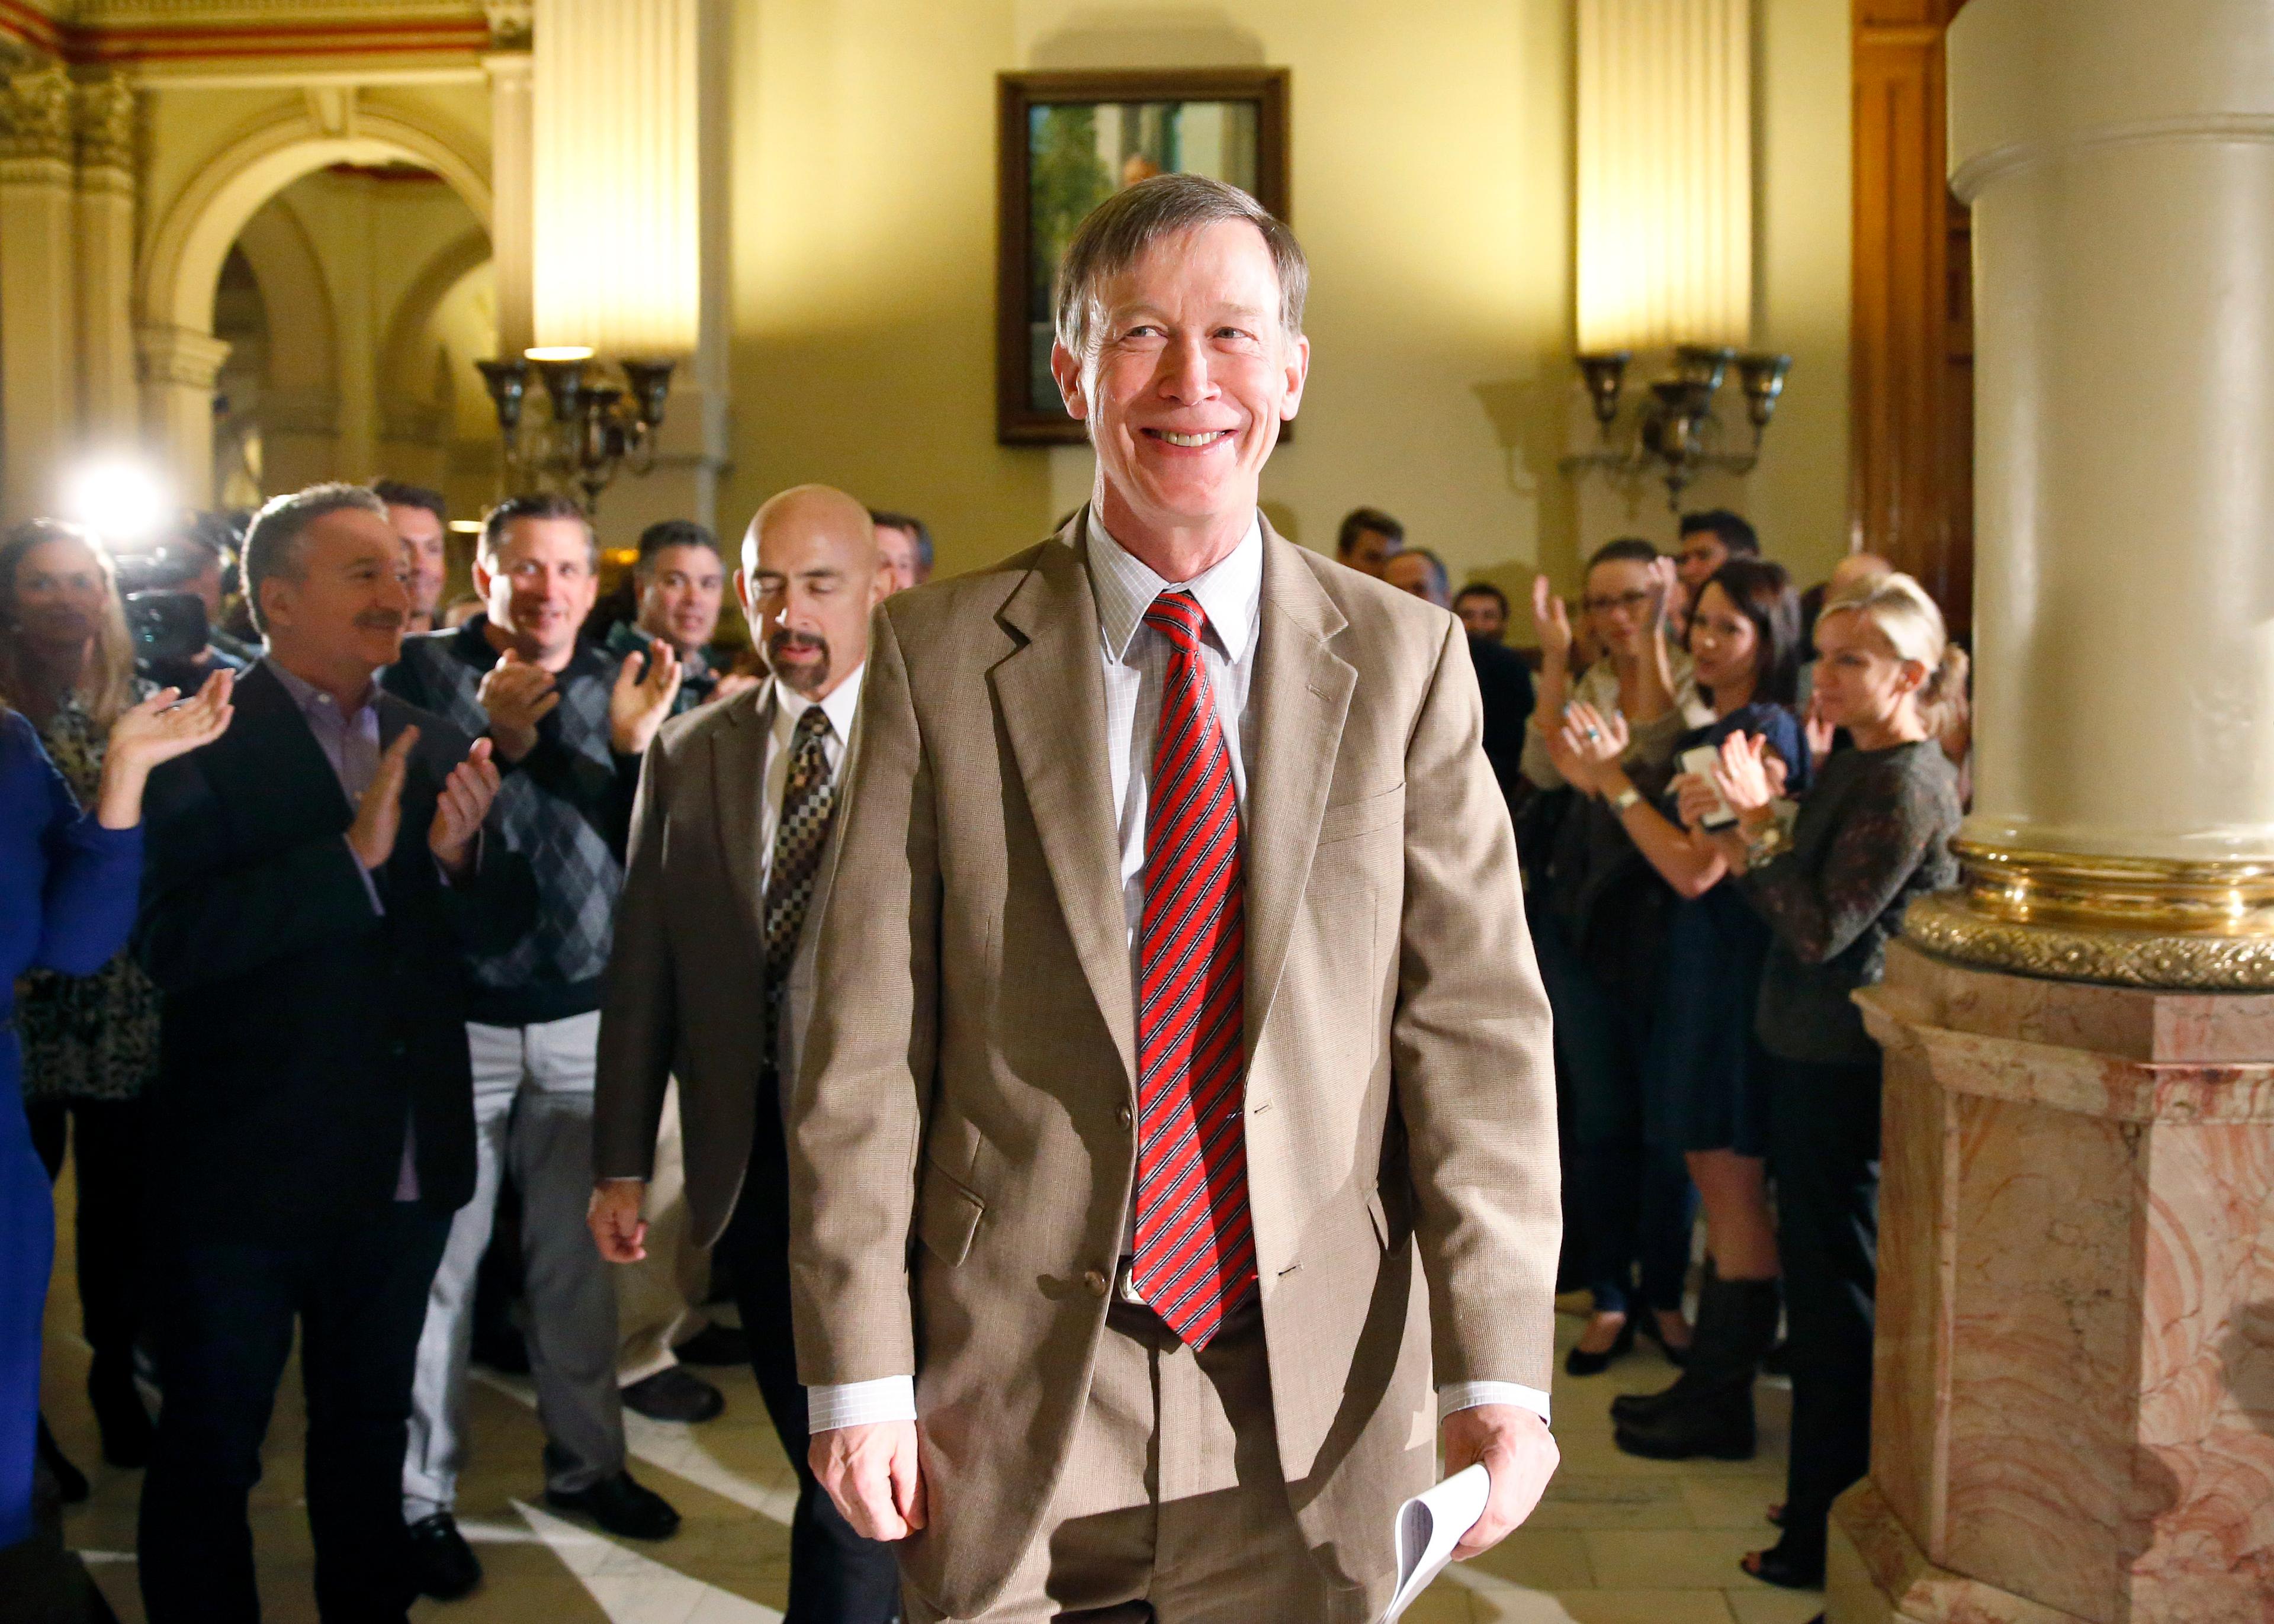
point(315, 885)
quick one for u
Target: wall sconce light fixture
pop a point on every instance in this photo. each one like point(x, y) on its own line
point(1676, 435)
point(595, 429)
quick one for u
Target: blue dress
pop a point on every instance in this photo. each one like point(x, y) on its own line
point(67, 897)
point(1701, 1074)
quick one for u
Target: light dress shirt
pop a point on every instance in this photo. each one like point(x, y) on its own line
point(1229, 593)
point(350, 744)
point(783, 710)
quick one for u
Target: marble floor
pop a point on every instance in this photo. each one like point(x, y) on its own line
point(1617, 1540)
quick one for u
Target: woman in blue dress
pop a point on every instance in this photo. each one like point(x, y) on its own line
point(1704, 1079)
point(68, 885)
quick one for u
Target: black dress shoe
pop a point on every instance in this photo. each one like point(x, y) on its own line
point(70, 1482)
point(675, 1395)
point(442, 1564)
point(1787, 1566)
point(1578, 1361)
point(118, 1413)
point(720, 1346)
point(621, 1508)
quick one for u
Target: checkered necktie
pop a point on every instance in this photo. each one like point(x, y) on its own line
point(1195, 1258)
point(808, 801)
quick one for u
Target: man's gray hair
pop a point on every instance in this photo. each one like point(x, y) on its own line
point(1117, 231)
point(276, 541)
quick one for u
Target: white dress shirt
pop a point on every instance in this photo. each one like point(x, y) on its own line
point(1229, 593)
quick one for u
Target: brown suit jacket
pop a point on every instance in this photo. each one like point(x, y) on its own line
point(965, 1085)
point(686, 989)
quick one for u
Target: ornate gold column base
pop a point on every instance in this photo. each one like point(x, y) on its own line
point(2198, 927)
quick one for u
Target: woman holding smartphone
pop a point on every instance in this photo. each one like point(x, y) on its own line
point(1704, 1075)
point(1832, 880)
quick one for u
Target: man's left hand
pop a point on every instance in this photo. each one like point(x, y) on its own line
point(638, 705)
point(459, 808)
point(1519, 1455)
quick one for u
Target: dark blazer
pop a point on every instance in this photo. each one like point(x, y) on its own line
point(1504, 683)
point(301, 1027)
point(687, 982)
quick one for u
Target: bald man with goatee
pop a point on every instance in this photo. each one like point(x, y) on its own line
point(735, 802)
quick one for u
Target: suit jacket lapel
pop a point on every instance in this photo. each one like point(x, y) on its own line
point(738, 784)
point(1297, 701)
point(1051, 693)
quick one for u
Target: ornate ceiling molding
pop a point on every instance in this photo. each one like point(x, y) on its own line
point(174, 33)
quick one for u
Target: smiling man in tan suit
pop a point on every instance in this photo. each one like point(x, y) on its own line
point(1177, 1003)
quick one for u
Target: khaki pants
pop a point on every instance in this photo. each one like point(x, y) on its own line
point(1173, 1509)
point(658, 1297)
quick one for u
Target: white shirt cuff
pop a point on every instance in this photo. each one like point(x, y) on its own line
point(1468, 1394)
point(861, 1404)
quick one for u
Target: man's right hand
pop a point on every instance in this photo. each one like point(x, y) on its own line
point(870, 1472)
point(517, 696)
point(379, 815)
point(614, 1217)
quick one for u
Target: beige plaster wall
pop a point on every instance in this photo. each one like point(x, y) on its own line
point(1431, 185)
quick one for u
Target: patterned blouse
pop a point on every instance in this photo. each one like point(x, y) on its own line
point(92, 1037)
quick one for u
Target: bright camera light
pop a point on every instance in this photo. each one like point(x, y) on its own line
point(119, 498)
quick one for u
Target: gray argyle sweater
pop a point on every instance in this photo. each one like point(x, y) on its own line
point(566, 806)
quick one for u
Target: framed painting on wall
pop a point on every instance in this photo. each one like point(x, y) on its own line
point(1068, 141)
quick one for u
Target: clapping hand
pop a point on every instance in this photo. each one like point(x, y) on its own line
point(1744, 779)
point(1595, 742)
point(1551, 620)
point(517, 694)
point(155, 731)
point(379, 811)
point(1667, 593)
point(1819, 729)
point(638, 705)
point(459, 808)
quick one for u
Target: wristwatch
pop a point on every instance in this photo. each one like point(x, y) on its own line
point(1626, 797)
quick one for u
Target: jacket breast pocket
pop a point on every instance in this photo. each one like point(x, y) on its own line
point(1363, 816)
point(947, 1215)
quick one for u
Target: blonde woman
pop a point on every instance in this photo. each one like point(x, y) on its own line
point(1833, 881)
point(90, 1042)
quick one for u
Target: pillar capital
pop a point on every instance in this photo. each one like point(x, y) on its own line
point(102, 121)
point(180, 356)
point(36, 115)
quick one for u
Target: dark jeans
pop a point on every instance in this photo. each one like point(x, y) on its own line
point(107, 1144)
point(835, 1576)
point(1824, 1149)
point(1633, 1203)
point(220, 1318)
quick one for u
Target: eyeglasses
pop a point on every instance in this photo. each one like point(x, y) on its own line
point(1624, 600)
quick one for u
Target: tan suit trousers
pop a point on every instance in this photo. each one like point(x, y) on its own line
point(659, 1298)
point(1173, 1509)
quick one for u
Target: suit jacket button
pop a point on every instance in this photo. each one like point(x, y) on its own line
point(1123, 1116)
point(1097, 1282)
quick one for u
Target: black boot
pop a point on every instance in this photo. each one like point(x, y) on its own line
point(1710, 1410)
point(1700, 1368)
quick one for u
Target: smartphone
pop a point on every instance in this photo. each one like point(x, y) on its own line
point(1699, 763)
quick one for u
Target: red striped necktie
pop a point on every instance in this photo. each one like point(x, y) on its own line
point(1195, 1258)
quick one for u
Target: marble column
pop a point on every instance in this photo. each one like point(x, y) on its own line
point(512, 203)
point(102, 110)
point(2073, 1393)
point(178, 366)
point(39, 401)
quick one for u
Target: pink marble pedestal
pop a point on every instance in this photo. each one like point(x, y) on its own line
point(2073, 1405)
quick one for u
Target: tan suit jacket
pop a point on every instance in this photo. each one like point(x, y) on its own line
point(686, 988)
point(960, 1157)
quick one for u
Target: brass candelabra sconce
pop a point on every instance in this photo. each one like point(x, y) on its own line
point(1676, 435)
point(594, 429)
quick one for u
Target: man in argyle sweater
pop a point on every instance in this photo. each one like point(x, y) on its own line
point(568, 725)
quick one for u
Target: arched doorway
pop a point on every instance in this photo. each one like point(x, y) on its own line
point(237, 190)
